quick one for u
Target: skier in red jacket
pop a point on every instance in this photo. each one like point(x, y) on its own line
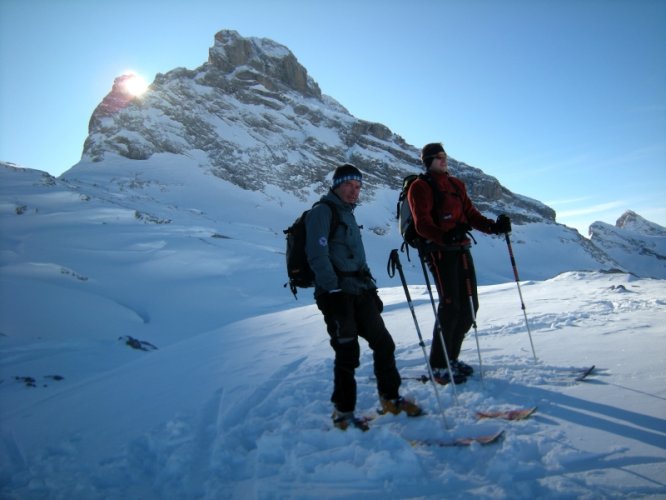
point(443, 215)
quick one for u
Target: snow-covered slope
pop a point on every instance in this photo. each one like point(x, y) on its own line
point(128, 227)
point(241, 410)
point(229, 399)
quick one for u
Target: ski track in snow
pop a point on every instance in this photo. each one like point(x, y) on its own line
point(271, 446)
point(264, 457)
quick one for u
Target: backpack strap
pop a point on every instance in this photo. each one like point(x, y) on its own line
point(335, 222)
point(436, 193)
point(403, 199)
point(335, 216)
point(437, 202)
point(438, 197)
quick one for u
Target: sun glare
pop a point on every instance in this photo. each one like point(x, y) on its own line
point(135, 84)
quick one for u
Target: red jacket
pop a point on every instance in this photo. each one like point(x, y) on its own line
point(455, 208)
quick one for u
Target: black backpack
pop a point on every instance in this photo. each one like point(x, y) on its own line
point(298, 269)
point(404, 211)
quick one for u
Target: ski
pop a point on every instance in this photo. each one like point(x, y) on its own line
point(381, 412)
point(483, 439)
point(582, 375)
point(424, 379)
point(516, 414)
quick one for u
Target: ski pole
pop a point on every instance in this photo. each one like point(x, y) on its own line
point(520, 294)
point(394, 262)
point(438, 328)
point(468, 282)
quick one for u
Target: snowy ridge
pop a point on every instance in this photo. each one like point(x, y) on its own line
point(631, 221)
point(635, 243)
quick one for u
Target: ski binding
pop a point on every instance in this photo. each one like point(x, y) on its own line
point(584, 373)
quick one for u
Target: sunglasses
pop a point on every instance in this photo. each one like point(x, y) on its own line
point(439, 156)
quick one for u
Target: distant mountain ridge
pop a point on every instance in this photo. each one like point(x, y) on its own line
point(636, 243)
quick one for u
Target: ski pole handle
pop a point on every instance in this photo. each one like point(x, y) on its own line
point(513, 259)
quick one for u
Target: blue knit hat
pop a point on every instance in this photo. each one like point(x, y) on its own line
point(344, 173)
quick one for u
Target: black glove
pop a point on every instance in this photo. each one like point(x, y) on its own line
point(334, 302)
point(378, 301)
point(502, 225)
point(462, 229)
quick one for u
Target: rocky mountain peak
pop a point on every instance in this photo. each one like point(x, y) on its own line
point(261, 60)
point(119, 98)
point(252, 115)
point(630, 220)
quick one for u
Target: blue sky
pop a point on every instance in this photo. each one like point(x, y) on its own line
point(562, 101)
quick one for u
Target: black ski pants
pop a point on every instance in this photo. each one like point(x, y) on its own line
point(455, 277)
point(359, 316)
